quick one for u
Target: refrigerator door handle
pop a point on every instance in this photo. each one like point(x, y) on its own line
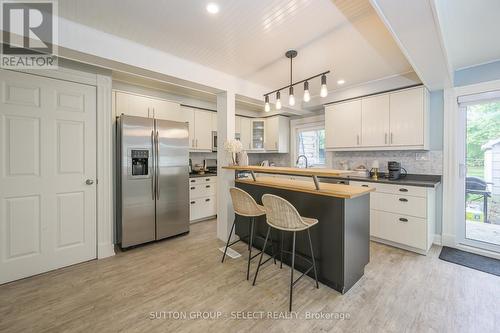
point(157, 167)
point(153, 167)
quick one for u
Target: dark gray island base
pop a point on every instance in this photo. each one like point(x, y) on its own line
point(341, 239)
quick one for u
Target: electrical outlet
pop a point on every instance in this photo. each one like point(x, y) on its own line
point(422, 156)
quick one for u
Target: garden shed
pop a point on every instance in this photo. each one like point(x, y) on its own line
point(492, 165)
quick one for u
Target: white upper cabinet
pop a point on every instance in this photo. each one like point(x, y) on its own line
point(133, 105)
point(166, 110)
point(258, 134)
point(237, 125)
point(277, 135)
point(392, 121)
point(408, 117)
point(187, 115)
point(375, 121)
point(343, 125)
point(203, 130)
point(246, 132)
point(214, 121)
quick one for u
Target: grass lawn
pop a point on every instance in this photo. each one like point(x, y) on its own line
point(475, 172)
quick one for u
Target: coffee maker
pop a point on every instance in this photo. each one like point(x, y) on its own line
point(394, 170)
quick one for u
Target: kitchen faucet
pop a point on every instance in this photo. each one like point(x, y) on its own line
point(298, 158)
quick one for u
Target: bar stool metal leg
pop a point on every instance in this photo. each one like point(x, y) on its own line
point(292, 268)
point(228, 240)
point(281, 249)
point(261, 256)
point(312, 258)
point(272, 247)
point(250, 243)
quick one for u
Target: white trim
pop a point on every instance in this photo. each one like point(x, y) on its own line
point(452, 216)
point(437, 240)
point(105, 214)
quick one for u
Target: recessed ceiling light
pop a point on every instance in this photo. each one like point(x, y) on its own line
point(340, 82)
point(212, 8)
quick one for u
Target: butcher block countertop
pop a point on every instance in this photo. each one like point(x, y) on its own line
point(326, 189)
point(292, 171)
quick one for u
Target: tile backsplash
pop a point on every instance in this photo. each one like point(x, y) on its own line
point(197, 158)
point(415, 162)
point(278, 159)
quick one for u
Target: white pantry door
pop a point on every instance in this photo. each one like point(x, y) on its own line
point(47, 154)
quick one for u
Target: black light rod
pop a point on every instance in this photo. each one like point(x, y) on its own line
point(295, 83)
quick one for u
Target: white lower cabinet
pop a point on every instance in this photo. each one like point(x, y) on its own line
point(202, 198)
point(402, 216)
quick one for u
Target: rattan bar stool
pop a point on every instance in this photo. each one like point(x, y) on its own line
point(282, 215)
point(244, 205)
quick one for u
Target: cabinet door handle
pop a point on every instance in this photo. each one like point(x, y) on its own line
point(154, 113)
point(193, 202)
point(403, 190)
point(385, 139)
point(402, 219)
point(207, 200)
point(192, 188)
point(207, 186)
point(357, 139)
point(403, 200)
point(196, 143)
point(392, 137)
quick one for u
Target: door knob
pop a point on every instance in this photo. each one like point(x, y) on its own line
point(89, 182)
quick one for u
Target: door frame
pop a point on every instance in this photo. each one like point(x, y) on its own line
point(453, 152)
point(104, 150)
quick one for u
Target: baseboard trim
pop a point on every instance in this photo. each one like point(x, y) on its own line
point(105, 251)
point(437, 240)
point(398, 245)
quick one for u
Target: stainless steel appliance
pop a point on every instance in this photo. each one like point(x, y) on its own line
point(214, 140)
point(152, 179)
point(394, 170)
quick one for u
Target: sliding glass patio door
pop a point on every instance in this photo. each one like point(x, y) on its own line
point(479, 171)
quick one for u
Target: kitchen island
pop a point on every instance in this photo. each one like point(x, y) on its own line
point(341, 240)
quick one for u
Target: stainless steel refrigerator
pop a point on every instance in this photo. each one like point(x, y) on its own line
point(152, 179)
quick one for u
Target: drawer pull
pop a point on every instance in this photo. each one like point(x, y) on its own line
point(403, 190)
point(207, 179)
point(192, 180)
point(402, 219)
point(403, 200)
point(193, 187)
point(193, 202)
point(207, 186)
point(365, 185)
point(207, 200)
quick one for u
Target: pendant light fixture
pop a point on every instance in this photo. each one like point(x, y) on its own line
point(291, 96)
point(278, 101)
point(307, 95)
point(324, 89)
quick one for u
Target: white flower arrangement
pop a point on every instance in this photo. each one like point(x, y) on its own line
point(233, 146)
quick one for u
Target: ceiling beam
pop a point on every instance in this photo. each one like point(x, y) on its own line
point(415, 27)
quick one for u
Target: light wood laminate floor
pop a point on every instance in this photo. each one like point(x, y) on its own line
point(400, 292)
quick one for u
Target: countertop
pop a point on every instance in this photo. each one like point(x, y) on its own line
point(409, 180)
point(319, 172)
point(206, 174)
point(326, 189)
